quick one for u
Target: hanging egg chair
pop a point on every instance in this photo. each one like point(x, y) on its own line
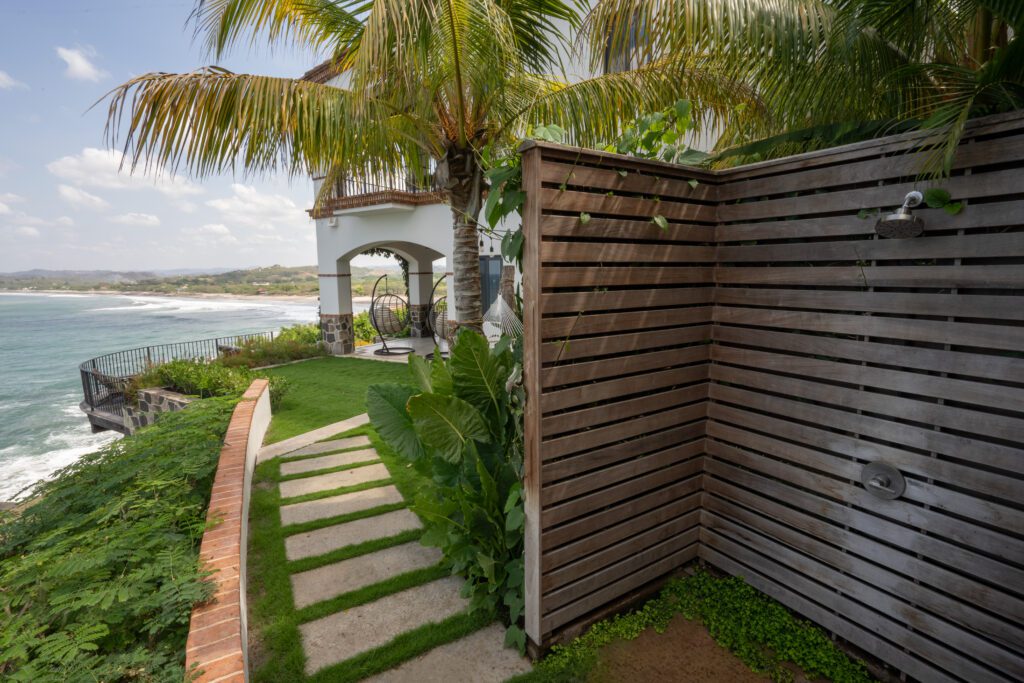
point(389, 316)
point(437, 319)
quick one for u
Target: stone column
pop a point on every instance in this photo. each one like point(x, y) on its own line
point(336, 306)
point(338, 335)
point(421, 283)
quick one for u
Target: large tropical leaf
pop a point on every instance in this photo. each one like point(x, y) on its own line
point(480, 375)
point(447, 424)
point(419, 368)
point(386, 406)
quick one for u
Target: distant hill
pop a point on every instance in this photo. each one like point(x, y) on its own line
point(299, 280)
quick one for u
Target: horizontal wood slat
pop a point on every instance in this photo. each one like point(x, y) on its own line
point(872, 170)
point(621, 180)
point(603, 204)
point(624, 229)
point(992, 184)
point(990, 216)
point(959, 306)
point(924, 247)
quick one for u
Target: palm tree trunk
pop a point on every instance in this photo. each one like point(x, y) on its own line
point(465, 190)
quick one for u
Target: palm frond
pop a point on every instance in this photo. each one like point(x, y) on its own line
point(331, 26)
point(595, 110)
point(212, 120)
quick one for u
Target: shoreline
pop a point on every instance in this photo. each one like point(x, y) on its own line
point(294, 298)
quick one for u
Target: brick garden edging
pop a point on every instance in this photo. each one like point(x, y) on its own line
point(216, 644)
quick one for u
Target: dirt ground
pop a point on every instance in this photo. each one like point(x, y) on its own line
point(684, 653)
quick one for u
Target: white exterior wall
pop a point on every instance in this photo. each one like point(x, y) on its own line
point(420, 234)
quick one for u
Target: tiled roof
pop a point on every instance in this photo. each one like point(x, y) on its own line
point(323, 72)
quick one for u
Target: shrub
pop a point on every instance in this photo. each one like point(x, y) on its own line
point(205, 379)
point(304, 333)
point(100, 574)
point(362, 328)
point(262, 352)
point(291, 343)
point(460, 423)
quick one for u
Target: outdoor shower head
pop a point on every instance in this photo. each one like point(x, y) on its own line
point(902, 223)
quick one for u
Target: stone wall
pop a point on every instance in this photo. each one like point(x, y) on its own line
point(151, 404)
point(418, 324)
point(337, 333)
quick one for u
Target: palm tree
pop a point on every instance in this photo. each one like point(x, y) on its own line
point(834, 71)
point(449, 80)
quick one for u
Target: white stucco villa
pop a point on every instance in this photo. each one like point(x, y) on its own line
point(412, 221)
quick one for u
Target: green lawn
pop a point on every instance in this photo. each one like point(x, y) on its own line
point(327, 390)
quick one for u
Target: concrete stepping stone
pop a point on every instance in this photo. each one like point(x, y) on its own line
point(279, 448)
point(344, 635)
point(346, 576)
point(327, 461)
point(333, 480)
point(334, 445)
point(343, 504)
point(321, 541)
point(480, 657)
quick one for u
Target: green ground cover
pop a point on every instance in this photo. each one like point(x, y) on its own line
point(100, 574)
point(760, 631)
point(326, 390)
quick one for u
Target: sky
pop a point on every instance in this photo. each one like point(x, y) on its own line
point(65, 203)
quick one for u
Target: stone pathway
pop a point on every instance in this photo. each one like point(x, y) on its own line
point(317, 482)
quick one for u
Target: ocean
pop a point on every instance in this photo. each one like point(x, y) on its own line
point(44, 338)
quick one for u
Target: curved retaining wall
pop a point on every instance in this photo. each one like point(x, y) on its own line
point(216, 644)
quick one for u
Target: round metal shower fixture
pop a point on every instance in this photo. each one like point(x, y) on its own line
point(902, 223)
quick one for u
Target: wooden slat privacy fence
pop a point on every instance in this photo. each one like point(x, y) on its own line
point(714, 390)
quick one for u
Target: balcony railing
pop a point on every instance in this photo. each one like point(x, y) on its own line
point(381, 188)
point(105, 378)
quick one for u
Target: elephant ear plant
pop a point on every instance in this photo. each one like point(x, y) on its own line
point(459, 422)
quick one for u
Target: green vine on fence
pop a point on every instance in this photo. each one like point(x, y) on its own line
point(660, 135)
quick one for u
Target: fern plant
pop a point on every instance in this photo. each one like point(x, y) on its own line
point(99, 573)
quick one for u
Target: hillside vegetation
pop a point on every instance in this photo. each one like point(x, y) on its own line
point(270, 280)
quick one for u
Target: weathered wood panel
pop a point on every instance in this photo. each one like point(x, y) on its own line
point(618, 324)
point(716, 389)
point(833, 348)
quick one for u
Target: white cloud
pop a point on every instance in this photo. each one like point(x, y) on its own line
point(28, 219)
point(211, 234)
point(102, 168)
point(143, 219)
point(186, 206)
point(65, 221)
point(250, 207)
point(8, 82)
point(80, 66)
point(78, 197)
point(4, 209)
point(10, 197)
point(26, 231)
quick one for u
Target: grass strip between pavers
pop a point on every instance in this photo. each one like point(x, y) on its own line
point(317, 495)
point(375, 591)
point(328, 470)
point(403, 648)
point(350, 551)
point(275, 641)
point(314, 524)
point(310, 456)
